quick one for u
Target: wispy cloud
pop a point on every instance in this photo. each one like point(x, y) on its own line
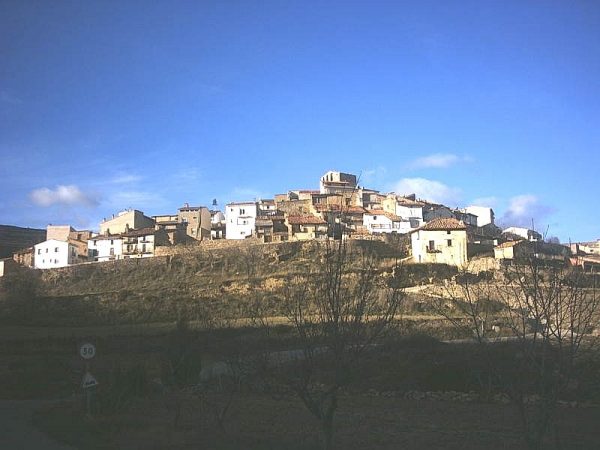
point(62, 195)
point(126, 178)
point(248, 193)
point(522, 209)
point(438, 161)
point(369, 176)
point(432, 190)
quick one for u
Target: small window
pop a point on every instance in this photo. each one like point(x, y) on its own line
point(112, 242)
point(55, 249)
point(448, 232)
point(112, 251)
point(431, 245)
point(449, 242)
point(242, 211)
point(46, 250)
point(39, 251)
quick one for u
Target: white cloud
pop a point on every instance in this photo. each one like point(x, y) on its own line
point(438, 161)
point(247, 194)
point(62, 195)
point(126, 178)
point(429, 190)
point(522, 209)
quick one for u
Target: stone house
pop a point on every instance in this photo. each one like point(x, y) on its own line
point(307, 227)
point(130, 219)
point(442, 240)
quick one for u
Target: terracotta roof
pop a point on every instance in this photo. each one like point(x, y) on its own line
point(380, 212)
point(306, 220)
point(443, 224)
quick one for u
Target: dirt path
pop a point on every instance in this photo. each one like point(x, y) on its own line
point(16, 428)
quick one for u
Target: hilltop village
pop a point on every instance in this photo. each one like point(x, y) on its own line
point(340, 209)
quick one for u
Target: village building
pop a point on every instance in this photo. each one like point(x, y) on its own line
point(485, 214)
point(130, 219)
point(433, 211)
point(522, 251)
point(53, 253)
point(8, 265)
point(24, 257)
point(142, 243)
point(442, 241)
point(217, 224)
point(105, 248)
point(308, 227)
point(241, 220)
point(517, 233)
point(197, 220)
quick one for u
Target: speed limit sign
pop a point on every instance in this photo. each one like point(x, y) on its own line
point(87, 350)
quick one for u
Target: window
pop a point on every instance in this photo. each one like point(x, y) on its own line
point(449, 242)
point(242, 211)
point(95, 243)
point(55, 249)
point(39, 251)
point(431, 246)
point(112, 251)
point(46, 250)
point(448, 232)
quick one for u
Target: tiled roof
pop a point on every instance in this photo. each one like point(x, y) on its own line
point(306, 220)
point(444, 224)
point(380, 212)
point(508, 244)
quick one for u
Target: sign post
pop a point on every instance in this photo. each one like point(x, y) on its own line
point(87, 351)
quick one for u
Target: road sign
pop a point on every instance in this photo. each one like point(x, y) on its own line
point(88, 381)
point(87, 350)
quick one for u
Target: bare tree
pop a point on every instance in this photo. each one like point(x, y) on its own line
point(549, 312)
point(337, 310)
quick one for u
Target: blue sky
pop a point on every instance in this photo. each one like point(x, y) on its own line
point(109, 105)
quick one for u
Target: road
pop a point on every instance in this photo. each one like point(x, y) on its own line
point(16, 428)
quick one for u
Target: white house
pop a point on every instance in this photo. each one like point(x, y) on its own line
point(105, 248)
point(241, 220)
point(405, 207)
point(442, 240)
point(485, 214)
point(142, 243)
point(378, 221)
point(53, 253)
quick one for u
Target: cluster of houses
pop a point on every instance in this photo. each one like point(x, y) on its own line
point(340, 208)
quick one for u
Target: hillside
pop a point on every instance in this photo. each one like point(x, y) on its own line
point(187, 282)
point(14, 238)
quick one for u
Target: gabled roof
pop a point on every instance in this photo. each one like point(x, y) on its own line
point(306, 220)
point(380, 212)
point(509, 244)
point(442, 224)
